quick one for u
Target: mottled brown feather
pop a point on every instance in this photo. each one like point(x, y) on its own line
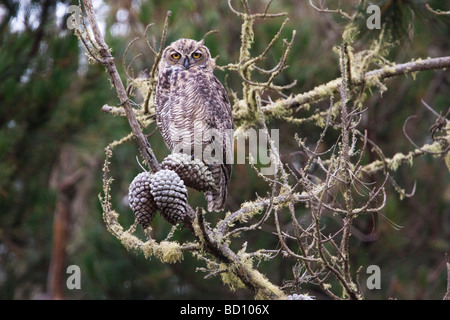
point(191, 101)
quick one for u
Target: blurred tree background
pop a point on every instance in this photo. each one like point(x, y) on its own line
point(53, 134)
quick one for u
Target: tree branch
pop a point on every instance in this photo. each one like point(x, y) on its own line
point(393, 163)
point(324, 91)
point(208, 238)
point(108, 62)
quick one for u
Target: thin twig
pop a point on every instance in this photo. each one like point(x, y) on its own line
point(326, 10)
point(414, 144)
point(437, 12)
point(124, 56)
point(108, 63)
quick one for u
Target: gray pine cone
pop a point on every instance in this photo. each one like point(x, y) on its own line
point(193, 172)
point(141, 200)
point(170, 195)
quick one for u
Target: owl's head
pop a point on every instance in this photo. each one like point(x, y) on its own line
point(186, 54)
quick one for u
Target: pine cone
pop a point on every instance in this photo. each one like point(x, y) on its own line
point(141, 200)
point(170, 195)
point(193, 172)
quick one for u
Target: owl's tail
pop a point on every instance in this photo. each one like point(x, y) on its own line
point(216, 199)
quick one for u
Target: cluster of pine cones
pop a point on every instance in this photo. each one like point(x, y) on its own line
point(165, 191)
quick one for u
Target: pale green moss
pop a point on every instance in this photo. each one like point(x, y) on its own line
point(278, 110)
point(434, 148)
point(250, 209)
point(148, 248)
point(270, 290)
point(129, 241)
point(166, 251)
point(398, 159)
point(229, 278)
point(198, 231)
point(350, 32)
point(169, 252)
point(143, 85)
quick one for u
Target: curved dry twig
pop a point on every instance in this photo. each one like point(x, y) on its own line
point(415, 145)
point(326, 10)
point(436, 12)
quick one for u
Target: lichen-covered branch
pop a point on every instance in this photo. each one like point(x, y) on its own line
point(107, 60)
point(439, 146)
point(371, 78)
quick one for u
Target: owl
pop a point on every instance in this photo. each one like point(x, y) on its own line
point(193, 112)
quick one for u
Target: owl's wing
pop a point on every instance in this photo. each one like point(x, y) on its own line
point(221, 104)
point(162, 102)
point(162, 90)
point(219, 115)
point(220, 118)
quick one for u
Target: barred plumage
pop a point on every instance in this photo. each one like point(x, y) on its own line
point(190, 103)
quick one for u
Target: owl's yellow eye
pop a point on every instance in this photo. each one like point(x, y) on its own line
point(175, 56)
point(196, 55)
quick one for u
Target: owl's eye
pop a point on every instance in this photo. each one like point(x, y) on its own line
point(196, 55)
point(175, 56)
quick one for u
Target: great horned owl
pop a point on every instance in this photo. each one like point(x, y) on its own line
point(193, 112)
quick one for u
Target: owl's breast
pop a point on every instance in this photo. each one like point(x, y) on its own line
point(190, 93)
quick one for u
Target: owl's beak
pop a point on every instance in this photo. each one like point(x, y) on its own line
point(186, 63)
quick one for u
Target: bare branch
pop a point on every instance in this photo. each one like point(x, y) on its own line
point(127, 68)
point(158, 56)
point(436, 12)
point(326, 10)
point(147, 28)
